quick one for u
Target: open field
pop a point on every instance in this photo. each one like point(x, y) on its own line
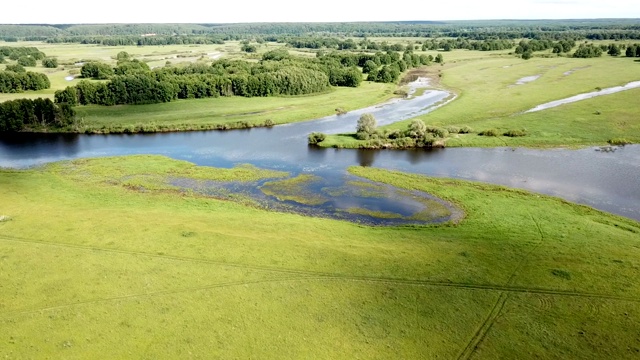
point(92, 264)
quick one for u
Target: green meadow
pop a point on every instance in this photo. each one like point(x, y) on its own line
point(104, 258)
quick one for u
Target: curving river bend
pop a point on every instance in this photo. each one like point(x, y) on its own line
point(605, 180)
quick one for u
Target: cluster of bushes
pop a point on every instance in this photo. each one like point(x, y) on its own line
point(154, 128)
point(588, 51)
point(632, 50)
point(418, 135)
point(15, 79)
point(460, 43)
point(509, 133)
point(15, 53)
point(21, 114)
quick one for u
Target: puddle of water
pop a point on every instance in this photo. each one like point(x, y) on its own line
point(526, 80)
point(69, 78)
point(579, 97)
point(355, 200)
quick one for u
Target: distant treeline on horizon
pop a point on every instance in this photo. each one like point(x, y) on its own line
point(576, 29)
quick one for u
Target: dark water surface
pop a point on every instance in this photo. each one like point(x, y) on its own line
point(608, 181)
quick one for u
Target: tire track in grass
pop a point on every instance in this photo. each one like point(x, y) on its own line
point(424, 283)
point(525, 258)
point(318, 275)
point(482, 331)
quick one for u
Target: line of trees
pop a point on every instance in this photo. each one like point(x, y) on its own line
point(15, 53)
point(138, 40)
point(16, 82)
point(22, 114)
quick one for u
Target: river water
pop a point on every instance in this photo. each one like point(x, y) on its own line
point(605, 180)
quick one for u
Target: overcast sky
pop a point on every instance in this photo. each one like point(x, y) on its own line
point(227, 11)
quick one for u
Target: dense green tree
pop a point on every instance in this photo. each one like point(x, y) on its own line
point(439, 59)
point(587, 51)
point(14, 82)
point(123, 56)
point(27, 61)
point(15, 68)
point(613, 50)
point(67, 96)
point(96, 70)
point(631, 51)
point(50, 62)
point(417, 129)
point(17, 115)
point(369, 66)
point(366, 126)
point(131, 67)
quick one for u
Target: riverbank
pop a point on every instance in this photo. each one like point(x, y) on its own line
point(108, 252)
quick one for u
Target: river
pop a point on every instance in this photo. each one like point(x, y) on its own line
point(604, 180)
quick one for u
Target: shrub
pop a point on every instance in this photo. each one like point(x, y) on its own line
point(340, 111)
point(27, 61)
point(465, 130)
point(619, 141)
point(366, 124)
point(490, 132)
point(417, 129)
point(453, 129)
point(316, 137)
point(515, 133)
point(50, 62)
point(17, 68)
point(394, 134)
point(441, 133)
point(269, 123)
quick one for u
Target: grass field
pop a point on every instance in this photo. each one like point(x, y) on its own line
point(91, 266)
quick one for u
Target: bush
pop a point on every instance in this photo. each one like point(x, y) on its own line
point(27, 61)
point(417, 129)
point(315, 138)
point(453, 129)
point(340, 111)
point(269, 123)
point(490, 132)
point(394, 134)
point(619, 141)
point(515, 133)
point(441, 133)
point(15, 68)
point(465, 130)
point(50, 62)
point(366, 124)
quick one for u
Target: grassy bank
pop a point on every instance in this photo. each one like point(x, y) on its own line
point(93, 267)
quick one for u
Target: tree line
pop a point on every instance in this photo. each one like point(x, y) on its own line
point(16, 82)
point(595, 29)
point(23, 114)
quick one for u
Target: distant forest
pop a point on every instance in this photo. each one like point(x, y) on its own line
point(159, 34)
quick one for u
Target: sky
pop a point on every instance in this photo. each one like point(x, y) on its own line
point(230, 11)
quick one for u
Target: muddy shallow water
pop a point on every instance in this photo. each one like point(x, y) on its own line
point(604, 180)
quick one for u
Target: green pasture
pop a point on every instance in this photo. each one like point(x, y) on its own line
point(91, 266)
